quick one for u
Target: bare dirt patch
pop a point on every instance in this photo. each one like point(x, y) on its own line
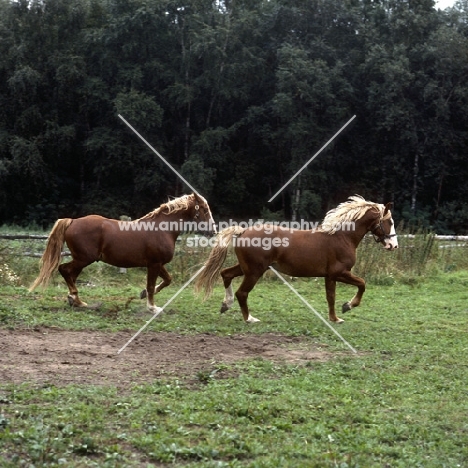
point(58, 357)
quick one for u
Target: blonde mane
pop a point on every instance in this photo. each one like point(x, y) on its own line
point(172, 206)
point(351, 210)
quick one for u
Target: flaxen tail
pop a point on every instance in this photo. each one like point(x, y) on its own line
point(207, 278)
point(53, 253)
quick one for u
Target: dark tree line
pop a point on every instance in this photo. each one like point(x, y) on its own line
point(237, 95)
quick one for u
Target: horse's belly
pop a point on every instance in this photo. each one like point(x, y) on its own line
point(301, 270)
point(304, 262)
point(121, 260)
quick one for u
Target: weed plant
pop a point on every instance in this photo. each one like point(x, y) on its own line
point(418, 255)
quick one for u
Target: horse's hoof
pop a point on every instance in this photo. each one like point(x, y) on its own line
point(155, 310)
point(143, 294)
point(224, 308)
point(74, 303)
point(346, 306)
point(252, 319)
point(335, 319)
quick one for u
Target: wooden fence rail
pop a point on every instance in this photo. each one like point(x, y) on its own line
point(65, 253)
point(30, 237)
point(23, 236)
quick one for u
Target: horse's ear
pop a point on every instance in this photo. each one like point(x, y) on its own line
point(388, 207)
point(198, 198)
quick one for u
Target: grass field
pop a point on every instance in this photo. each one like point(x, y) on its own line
point(401, 402)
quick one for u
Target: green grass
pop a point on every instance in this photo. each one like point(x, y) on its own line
point(402, 402)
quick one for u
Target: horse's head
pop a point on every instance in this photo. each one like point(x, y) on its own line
point(202, 216)
point(384, 230)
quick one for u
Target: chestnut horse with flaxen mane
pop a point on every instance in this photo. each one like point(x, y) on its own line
point(329, 252)
point(146, 242)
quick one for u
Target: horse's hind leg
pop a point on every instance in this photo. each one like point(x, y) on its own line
point(70, 272)
point(228, 274)
point(330, 288)
point(243, 293)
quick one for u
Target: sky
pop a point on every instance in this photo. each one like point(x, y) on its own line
point(442, 4)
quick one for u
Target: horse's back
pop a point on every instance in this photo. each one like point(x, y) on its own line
point(300, 253)
point(81, 228)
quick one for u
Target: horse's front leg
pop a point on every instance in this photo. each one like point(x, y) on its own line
point(348, 278)
point(242, 294)
point(330, 288)
point(151, 277)
point(166, 281)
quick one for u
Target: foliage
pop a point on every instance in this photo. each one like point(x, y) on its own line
point(238, 96)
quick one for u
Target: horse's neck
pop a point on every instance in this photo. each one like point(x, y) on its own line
point(173, 221)
point(363, 226)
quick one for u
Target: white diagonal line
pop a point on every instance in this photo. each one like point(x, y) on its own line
point(157, 154)
point(159, 311)
point(312, 158)
point(313, 310)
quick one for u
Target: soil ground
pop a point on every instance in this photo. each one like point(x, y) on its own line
point(58, 357)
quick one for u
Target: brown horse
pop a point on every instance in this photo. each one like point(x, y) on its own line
point(329, 251)
point(146, 242)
